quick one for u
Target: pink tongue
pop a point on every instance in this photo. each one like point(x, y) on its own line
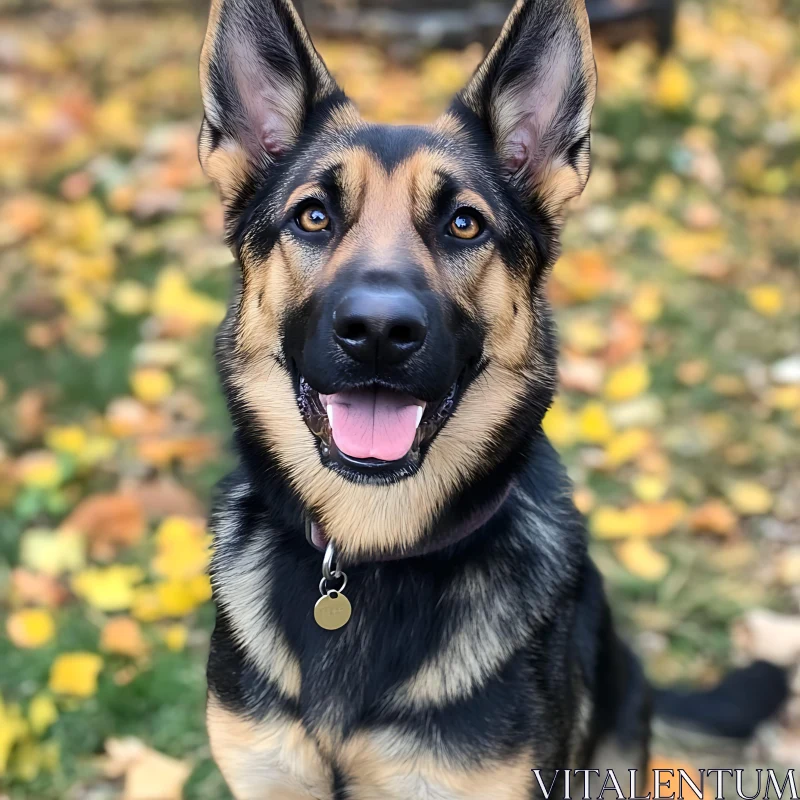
point(373, 423)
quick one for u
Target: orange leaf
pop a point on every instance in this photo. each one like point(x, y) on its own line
point(123, 636)
point(109, 521)
point(714, 516)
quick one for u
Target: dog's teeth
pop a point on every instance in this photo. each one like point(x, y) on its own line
point(419, 414)
point(329, 409)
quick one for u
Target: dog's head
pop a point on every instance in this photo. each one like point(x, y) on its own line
point(390, 342)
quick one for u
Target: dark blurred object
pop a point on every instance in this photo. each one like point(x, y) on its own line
point(404, 28)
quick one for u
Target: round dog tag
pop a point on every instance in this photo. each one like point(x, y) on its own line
point(332, 611)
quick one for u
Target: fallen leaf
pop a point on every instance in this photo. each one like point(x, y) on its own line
point(52, 553)
point(108, 588)
point(109, 521)
point(594, 425)
point(36, 589)
point(39, 469)
point(626, 446)
point(42, 713)
point(641, 559)
point(123, 636)
point(714, 516)
point(30, 628)
point(767, 299)
point(175, 637)
point(627, 382)
point(154, 776)
point(750, 498)
point(182, 548)
point(151, 385)
point(75, 674)
point(674, 86)
point(560, 425)
point(163, 497)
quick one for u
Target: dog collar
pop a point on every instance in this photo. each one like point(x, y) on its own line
point(333, 609)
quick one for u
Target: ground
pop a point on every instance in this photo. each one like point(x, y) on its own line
point(677, 297)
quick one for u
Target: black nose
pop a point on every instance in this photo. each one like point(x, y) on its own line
point(380, 325)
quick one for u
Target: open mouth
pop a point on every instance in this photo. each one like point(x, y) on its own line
point(372, 429)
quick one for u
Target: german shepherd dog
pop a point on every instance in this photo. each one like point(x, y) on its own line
point(406, 608)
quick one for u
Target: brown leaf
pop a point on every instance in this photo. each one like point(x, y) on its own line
point(109, 522)
point(714, 516)
point(29, 414)
point(164, 497)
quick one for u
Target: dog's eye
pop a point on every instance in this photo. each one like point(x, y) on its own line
point(313, 218)
point(464, 225)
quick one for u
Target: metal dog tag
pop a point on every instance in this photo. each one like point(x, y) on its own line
point(332, 611)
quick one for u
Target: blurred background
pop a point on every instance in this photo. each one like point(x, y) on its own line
point(678, 301)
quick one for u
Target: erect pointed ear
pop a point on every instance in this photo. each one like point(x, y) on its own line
point(260, 78)
point(534, 92)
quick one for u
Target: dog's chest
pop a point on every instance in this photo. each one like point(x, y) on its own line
point(278, 758)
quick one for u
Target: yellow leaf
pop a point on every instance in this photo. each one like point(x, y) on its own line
point(13, 728)
point(131, 298)
point(174, 299)
point(639, 520)
point(626, 446)
point(646, 304)
point(182, 548)
point(31, 628)
point(674, 85)
point(614, 523)
point(767, 299)
point(75, 674)
point(151, 385)
point(750, 498)
point(70, 439)
point(641, 559)
point(146, 605)
point(627, 382)
point(177, 598)
point(594, 425)
point(123, 636)
point(42, 713)
point(39, 470)
point(560, 425)
point(108, 588)
point(649, 488)
point(52, 553)
point(175, 637)
point(585, 335)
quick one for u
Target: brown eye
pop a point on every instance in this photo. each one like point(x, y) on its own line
point(464, 225)
point(314, 218)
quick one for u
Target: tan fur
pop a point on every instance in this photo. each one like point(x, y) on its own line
point(370, 519)
point(270, 760)
point(241, 586)
point(276, 759)
point(388, 765)
point(486, 614)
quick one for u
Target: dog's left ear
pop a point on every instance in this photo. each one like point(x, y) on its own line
point(260, 79)
point(534, 94)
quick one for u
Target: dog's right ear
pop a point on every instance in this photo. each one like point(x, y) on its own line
point(260, 78)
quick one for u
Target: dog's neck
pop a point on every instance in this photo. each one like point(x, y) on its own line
point(446, 534)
